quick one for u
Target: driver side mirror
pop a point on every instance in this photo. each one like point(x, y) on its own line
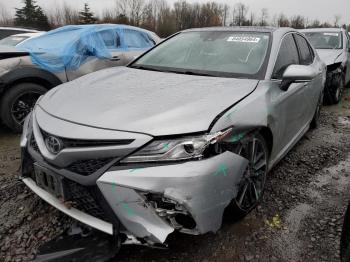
point(297, 74)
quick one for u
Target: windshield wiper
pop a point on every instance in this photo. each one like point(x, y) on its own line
point(147, 68)
point(186, 72)
point(195, 73)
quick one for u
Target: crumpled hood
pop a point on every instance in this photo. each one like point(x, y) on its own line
point(329, 56)
point(150, 102)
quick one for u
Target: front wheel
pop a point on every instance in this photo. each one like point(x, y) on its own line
point(316, 118)
point(17, 103)
point(252, 184)
point(334, 89)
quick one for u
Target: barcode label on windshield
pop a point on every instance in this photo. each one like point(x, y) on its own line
point(331, 34)
point(243, 39)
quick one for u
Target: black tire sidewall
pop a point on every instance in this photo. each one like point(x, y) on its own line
point(10, 97)
point(332, 88)
point(316, 119)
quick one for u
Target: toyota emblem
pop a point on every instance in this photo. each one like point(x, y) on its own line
point(53, 144)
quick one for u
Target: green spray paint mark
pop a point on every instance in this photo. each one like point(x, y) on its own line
point(236, 137)
point(166, 146)
point(135, 169)
point(125, 206)
point(222, 169)
point(128, 209)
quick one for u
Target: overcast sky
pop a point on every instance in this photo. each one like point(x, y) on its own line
point(324, 10)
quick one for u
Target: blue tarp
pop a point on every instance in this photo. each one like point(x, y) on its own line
point(67, 47)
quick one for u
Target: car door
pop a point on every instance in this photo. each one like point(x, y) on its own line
point(347, 46)
point(313, 88)
point(291, 106)
point(112, 40)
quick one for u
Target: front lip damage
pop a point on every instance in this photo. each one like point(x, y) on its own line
point(199, 186)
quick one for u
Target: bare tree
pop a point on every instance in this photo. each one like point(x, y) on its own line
point(336, 20)
point(225, 11)
point(283, 21)
point(264, 15)
point(314, 24)
point(5, 17)
point(241, 12)
point(297, 22)
point(252, 19)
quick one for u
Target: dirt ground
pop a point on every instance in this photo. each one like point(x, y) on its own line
point(299, 219)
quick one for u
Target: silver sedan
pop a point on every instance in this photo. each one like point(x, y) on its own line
point(186, 131)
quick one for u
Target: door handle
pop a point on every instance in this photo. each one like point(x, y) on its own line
point(115, 58)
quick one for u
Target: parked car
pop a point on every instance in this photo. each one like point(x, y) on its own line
point(14, 40)
point(186, 131)
point(333, 46)
point(62, 55)
point(7, 31)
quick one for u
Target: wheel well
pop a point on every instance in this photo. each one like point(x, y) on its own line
point(35, 80)
point(267, 134)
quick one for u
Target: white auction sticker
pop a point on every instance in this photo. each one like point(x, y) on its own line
point(331, 34)
point(243, 39)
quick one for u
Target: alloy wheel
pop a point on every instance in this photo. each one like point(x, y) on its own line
point(23, 105)
point(253, 182)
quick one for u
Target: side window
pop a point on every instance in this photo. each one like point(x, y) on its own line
point(7, 32)
point(135, 39)
point(348, 37)
point(306, 57)
point(110, 38)
point(287, 55)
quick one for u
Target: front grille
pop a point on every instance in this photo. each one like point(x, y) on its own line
point(85, 200)
point(33, 144)
point(89, 166)
point(68, 142)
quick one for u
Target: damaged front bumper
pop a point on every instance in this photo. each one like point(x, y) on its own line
point(142, 202)
point(190, 197)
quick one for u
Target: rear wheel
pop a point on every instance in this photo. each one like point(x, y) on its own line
point(17, 103)
point(252, 185)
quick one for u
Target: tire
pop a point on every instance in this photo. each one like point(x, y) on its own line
point(245, 200)
point(17, 102)
point(316, 119)
point(345, 237)
point(334, 89)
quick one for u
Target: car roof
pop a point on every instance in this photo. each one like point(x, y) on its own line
point(18, 29)
point(28, 34)
point(321, 30)
point(243, 29)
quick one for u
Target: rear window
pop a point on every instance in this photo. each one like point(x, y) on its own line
point(325, 40)
point(13, 40)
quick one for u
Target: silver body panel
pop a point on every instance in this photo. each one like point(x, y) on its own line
point(155, 103)
point(192, 184)
point(145, 105)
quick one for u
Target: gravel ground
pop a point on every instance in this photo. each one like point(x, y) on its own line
point(299, 218)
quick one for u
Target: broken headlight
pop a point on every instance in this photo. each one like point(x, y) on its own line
point(177, 149)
